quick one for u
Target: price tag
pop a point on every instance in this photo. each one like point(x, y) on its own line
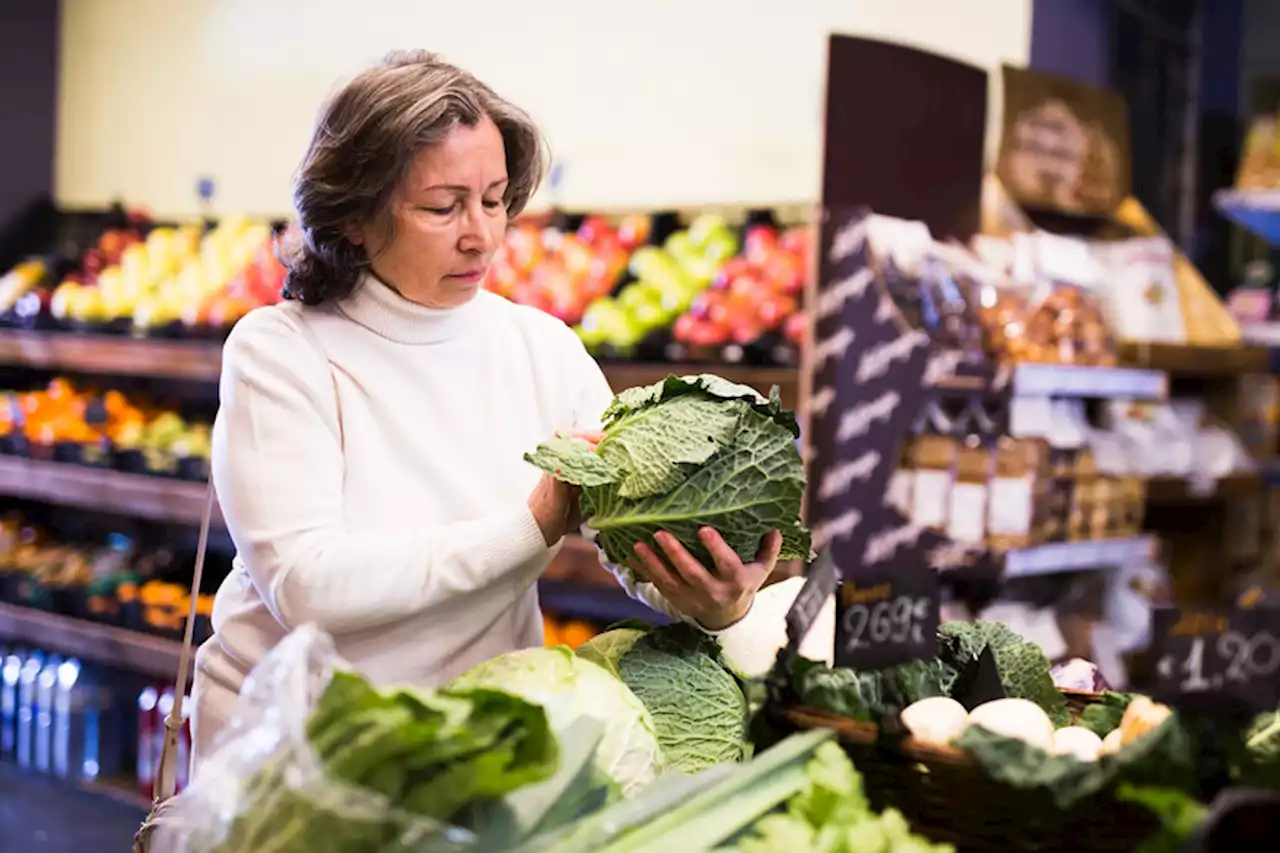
point(886, 616)
point(819, 584)
point(1216, 660)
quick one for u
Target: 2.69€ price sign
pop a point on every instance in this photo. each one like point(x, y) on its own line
point(1212, 659)
point(885, 620)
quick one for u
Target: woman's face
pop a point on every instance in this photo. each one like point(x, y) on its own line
point(447, 219)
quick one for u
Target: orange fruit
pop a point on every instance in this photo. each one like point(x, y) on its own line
point(575, 633)
point(550, 632)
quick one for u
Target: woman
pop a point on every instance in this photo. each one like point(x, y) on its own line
point(368, 450)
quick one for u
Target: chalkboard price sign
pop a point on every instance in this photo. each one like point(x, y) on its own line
point(887, 617)
point(1217, 660)
point(820, 582)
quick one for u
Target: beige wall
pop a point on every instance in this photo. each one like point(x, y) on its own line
point(647, 103)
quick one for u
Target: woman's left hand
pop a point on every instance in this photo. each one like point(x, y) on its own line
point(716, 600)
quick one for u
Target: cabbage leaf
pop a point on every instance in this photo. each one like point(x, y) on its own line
point(699, 711)
point(683, 454)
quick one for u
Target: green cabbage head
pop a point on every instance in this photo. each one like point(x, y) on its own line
point(569, 687)
point(686, 453)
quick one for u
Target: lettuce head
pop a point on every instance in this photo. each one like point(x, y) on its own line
point(569, 687)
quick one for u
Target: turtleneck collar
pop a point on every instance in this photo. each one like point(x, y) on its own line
point(386, 313)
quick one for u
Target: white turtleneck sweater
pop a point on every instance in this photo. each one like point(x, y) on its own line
point(368, 462)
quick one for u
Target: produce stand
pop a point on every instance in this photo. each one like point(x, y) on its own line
point(952, 799)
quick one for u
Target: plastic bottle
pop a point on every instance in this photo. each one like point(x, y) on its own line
point(76, 723)
point(46, 685)
point(28, 677)
point(10, 668)
point(148, 699)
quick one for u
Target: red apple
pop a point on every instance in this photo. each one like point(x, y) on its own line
point(685, 328)
point(784, 272)
point(112, 242)
point(747, 286)
point(225, 310)
point(594, 228)
point(576, 255)
point(634, 230)
point(759, 242)
point(796, 328)
point(774, 309)
point(708, 334)
point(524, 248)
point(796, 241)
point(93, 262)
point(729, 271)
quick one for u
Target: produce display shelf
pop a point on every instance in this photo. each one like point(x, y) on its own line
point(139, 495)
point(1080, 556)
point(1071, 380)
point(201, 360)
point(155, 656)
point(132, 650)
point(108, 354)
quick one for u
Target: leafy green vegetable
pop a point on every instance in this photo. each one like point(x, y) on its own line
point(1179, 814)
point(1263, 737)
point(393, 764)
point(699, 712)
point(568, 686)
point(1104, 716)
point(683, 454)
point(1162, 757)
point(669, 791)
point(832, 815)
point(606, 649)
point(842, 691)
point(576, 789)
point(1024, 669)
point(861, 695)
point(720, 812)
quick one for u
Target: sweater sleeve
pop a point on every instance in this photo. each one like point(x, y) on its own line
point(592, 398)
point(278, 468)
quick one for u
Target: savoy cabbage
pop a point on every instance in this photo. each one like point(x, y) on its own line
point(686, 453)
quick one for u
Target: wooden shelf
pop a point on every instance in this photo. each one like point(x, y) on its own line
point(202, 360)
point(157, 657)
point(107, 354)
point(1174, 491)
point(137, 495)
point(1181, 360)
point(623, 374)
point(131, 650)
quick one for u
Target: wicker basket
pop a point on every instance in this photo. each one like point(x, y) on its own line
point(948, 797)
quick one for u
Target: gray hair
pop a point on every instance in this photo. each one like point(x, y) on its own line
point(362, 146)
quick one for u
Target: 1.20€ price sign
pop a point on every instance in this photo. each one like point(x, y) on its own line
point(1217, 659)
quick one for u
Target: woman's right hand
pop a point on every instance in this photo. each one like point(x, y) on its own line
point(554, 504)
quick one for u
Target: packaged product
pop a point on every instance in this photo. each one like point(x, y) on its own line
point(1141, 290)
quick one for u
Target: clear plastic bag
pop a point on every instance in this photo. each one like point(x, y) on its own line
point(264, 785)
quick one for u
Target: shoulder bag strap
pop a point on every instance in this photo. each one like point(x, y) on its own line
point(166, 777)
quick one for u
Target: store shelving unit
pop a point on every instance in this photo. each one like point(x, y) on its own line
point(134, 651)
